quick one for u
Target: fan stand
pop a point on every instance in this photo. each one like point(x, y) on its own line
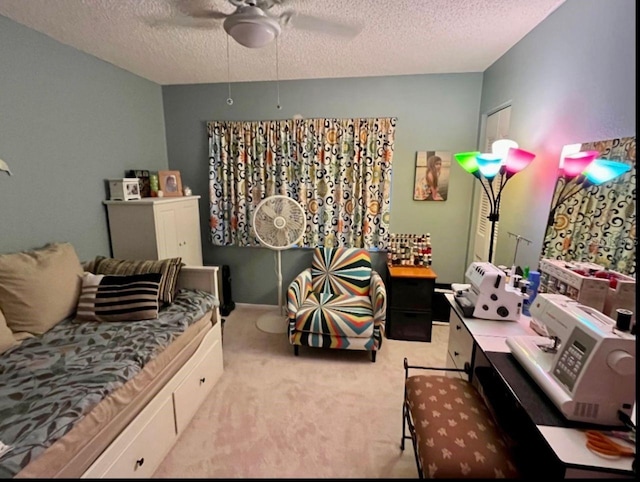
point(275, 323)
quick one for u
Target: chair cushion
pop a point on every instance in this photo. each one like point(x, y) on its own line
point(341, 271)
point(336, 315)
point(456, 436)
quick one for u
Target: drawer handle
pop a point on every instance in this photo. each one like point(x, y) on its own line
point(139, 462)
point(458, 327)
point(202, 380)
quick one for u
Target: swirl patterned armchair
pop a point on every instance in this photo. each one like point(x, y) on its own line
point(339, 302)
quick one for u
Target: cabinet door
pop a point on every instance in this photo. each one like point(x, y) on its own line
point(167, 231)
point(189, 243)
point(178, 231)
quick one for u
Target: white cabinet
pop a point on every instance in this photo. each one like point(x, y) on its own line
point(460, 349)
point(156, 228)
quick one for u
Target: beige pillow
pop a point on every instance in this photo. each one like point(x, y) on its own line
point(39, 288)
point(6, 335)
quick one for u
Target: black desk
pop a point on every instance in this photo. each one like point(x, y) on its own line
point(545, 442)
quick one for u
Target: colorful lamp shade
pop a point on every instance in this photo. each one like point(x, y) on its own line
point(574, 164)
point(489, 164)
point(468, 161)
point(517, 159)
point(604, 170)
point(501, 147)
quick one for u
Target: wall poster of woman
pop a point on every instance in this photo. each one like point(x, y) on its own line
point(432, 176)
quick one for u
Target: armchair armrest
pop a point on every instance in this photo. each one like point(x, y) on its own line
point(297, 292)
point(378, 295)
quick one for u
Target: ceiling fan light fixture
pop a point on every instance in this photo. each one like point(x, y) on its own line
point(250, 31)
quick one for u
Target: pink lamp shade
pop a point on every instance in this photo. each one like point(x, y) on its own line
point(604, 170)
point(517, 159)
point(574, 164)
point(489, 164)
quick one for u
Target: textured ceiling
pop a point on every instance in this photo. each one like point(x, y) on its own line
point(155, 40)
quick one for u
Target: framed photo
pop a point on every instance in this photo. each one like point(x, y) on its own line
point(143, 179)
point(431, 182)
point(170, 183)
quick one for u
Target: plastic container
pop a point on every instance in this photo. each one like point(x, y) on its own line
point(532, 291)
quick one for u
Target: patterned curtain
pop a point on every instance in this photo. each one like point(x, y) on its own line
point(599, 224)
point(339, 170)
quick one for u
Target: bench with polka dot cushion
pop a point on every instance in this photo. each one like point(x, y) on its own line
point(453, 432)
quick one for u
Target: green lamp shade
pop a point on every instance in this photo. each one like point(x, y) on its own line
point(574, 164)
point(489, 164)
point(468, 161)
point(604, 170)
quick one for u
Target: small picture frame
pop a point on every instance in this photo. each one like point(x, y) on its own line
point(431, 178)
point(170, 183)
point(143, 176)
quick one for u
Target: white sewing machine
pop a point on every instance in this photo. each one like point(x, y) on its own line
point(586, 367)
point(488, 295)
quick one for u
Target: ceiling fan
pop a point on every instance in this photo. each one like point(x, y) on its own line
point(252, 24)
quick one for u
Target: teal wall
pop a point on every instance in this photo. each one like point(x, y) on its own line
point(570, 80)
point(68, 121)
point(434, 112)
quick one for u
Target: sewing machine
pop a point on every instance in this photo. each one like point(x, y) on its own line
point(586, 367)
point(488, 295)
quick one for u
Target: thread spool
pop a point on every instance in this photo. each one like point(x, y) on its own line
point(623, 319)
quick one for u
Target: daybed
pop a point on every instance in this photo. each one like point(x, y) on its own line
point(108, 397)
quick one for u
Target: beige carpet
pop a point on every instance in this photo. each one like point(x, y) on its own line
point(323, 414)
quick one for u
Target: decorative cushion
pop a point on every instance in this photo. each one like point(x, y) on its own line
point(169, 268)
point(7, 339)
point(456, 436)
point(341, 271)
point(118, 298)
point(336, 315)
point(39, 288)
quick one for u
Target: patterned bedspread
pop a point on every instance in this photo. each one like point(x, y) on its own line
point(50, 382)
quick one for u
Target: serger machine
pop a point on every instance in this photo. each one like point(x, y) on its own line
point(489, 296)
point(587, 367)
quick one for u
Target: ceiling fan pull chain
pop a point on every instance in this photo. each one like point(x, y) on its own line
point(278, 106)
point(229, 99)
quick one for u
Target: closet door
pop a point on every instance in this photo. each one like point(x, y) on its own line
point(497, 127)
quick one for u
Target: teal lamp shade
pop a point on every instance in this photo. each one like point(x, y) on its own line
point(489, 165)
point(517, 159)
point(468, 161)
point(575, 164)
point(604, 170)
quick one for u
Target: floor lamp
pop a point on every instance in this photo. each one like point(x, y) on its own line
point(505, 160)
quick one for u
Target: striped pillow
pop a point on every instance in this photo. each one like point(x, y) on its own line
point(169, 268)
point(118, 298)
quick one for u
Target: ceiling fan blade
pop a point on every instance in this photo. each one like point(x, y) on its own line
point(186, 22)
point(198, 9)
point(316, 24)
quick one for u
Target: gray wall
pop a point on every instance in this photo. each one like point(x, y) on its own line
point(68, 121)
point(435, 112)
point(571, 80)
